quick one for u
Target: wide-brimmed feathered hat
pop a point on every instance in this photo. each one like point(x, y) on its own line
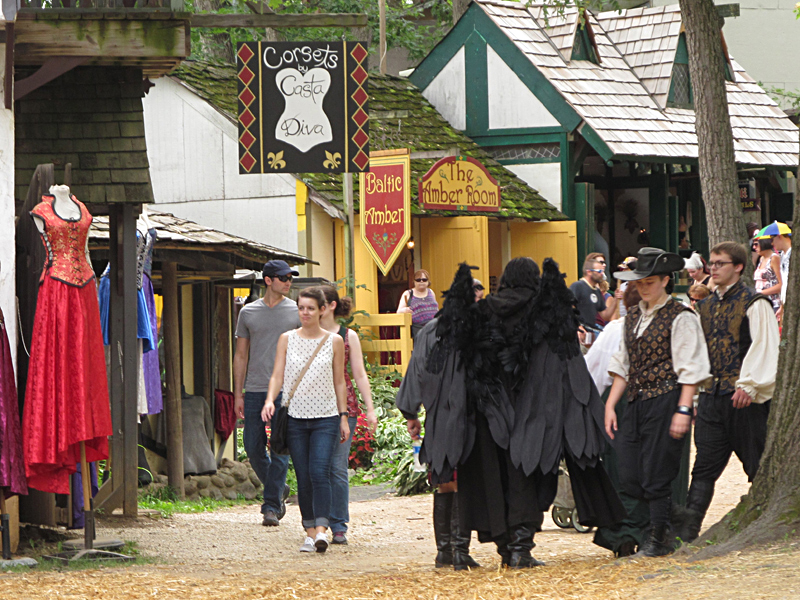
point(652, 261)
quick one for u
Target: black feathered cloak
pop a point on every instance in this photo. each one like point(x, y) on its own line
point(558, 411)
point(445, 350)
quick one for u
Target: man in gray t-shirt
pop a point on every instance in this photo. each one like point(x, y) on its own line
point(260, 325)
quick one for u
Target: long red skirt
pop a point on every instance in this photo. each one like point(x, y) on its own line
point(67, 394)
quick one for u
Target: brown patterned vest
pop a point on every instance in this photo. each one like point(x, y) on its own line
point(651, 371)
point(727, 331)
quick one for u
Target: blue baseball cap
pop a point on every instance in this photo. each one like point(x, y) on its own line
point(276, 268)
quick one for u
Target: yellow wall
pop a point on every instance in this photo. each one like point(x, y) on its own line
point(321, 248)
point(366, 275)
point(187, 336)
point(448, 241)
point(555, 239)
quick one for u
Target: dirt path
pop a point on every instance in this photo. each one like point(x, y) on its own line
point(229, 554)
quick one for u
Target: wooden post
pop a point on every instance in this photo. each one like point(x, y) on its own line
point(349, 237)
point(172, 360)
point(123, 377)
point(382, 36)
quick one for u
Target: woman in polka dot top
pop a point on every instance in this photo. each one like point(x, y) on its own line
point(317, 411)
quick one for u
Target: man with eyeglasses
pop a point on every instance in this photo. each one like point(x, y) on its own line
point(742, 337)
point(590, 300)
point(260, 325)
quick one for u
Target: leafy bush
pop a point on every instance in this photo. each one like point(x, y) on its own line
point(361, 449)
point(394, 457)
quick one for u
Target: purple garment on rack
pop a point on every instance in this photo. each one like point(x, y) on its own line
point(152, 370)
point(77, 495)
point(12, 466)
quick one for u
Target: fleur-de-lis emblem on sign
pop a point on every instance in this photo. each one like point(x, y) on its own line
point(276, 161)
point(332, 160)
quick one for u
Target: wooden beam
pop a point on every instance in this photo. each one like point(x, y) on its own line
point(172, 364)
point(258, 21)
point(120, 41)
point(52, 68)
point(8, 87)
point(194, 260)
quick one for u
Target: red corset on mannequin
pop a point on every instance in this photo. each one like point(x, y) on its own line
point(65, 242)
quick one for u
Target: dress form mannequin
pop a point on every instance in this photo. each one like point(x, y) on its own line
point(64, 207)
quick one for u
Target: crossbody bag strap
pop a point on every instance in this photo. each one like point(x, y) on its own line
point(305, 368)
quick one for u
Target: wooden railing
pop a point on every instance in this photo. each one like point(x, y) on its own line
point(374, 347)
point(174, 5)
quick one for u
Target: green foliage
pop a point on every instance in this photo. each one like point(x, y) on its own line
point(393, 460)
point(166, 502)
point(403, 28)
point(783, 96)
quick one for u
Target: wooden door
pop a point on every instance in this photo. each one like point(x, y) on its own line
point(553, 239)
point(448, 241)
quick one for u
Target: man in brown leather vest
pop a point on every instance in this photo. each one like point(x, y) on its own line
point(661, 360)
point(741, 332)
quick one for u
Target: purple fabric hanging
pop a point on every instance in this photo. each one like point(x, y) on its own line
point(77, 495)
point(12, 466)
point(152, 370)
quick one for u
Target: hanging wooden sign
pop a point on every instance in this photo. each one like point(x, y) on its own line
point(385, 206)
point(303, 107)
point(459, 183)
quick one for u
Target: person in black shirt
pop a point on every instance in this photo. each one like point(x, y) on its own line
point(590, 300)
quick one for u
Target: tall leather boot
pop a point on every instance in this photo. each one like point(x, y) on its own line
point(460, 541)
point(520, 544)
point(657, 542)
point(691, 518)
point(442, 515)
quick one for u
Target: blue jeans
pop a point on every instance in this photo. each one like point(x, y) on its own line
point(270, 469)
point(340, 483)
point(311, 444)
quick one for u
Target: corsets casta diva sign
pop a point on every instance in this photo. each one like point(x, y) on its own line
point(303, 107)
point(459, 183)
point(385, 206)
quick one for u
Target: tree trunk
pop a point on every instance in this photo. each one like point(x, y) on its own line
point(214, 46)
point(771, 510)
point(718, 179)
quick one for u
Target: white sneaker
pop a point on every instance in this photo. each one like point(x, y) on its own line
point(321, 541)
point(308, 545)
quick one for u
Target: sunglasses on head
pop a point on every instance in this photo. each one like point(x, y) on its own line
point(478, 287)
point(284, 278)
point(421, 279)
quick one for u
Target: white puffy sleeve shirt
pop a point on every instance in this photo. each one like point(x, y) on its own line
point(687, 342)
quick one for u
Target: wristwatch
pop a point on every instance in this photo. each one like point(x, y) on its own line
point(684, 410)
point(343, 414)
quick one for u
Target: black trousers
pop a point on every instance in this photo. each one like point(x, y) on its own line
point(649, 458)
point(721, 429)
point(494, 496)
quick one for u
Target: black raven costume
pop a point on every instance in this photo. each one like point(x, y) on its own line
point(508, 396)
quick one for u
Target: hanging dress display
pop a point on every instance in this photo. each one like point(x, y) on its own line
point(144, 329)
point(152, 370)
point(12, 467)
point(67, 392)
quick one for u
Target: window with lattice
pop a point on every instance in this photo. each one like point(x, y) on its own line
point(681, 86)
point(525, 152)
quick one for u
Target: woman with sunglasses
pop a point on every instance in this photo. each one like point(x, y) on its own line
point(420, 301)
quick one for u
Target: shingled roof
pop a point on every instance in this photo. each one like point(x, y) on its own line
point(400, 117)
point(623, 99)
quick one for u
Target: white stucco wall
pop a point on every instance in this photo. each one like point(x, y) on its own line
point(544, 177)
point(194, 167)
point(448, 94)
point(511, 103)
point(7, 252)
point(765, 40)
